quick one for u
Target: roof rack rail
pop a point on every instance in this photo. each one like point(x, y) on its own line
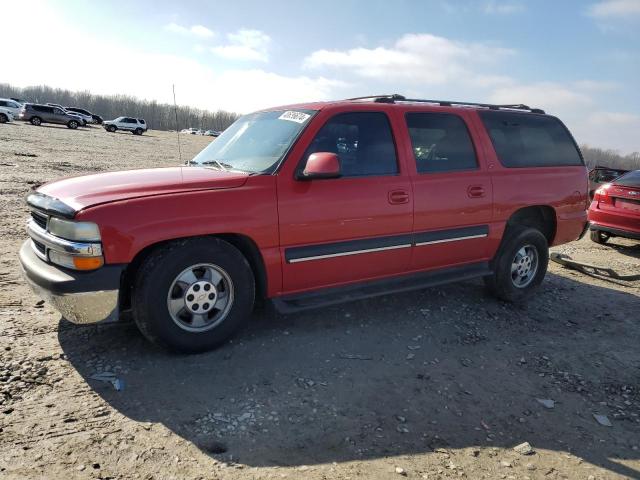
point(392, 98)
point(380, 98)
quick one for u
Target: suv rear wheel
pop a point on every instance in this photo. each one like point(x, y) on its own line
point(37, 121)
point(192, 295)
point(520, 265)
point(599, 237)
point(72, 124)
point(3, 118)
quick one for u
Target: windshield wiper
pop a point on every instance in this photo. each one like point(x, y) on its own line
point(221, 166)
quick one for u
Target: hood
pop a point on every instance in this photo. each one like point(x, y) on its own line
point(89, 190)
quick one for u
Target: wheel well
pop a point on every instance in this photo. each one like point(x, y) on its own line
point(243, 243)
point(540, 217)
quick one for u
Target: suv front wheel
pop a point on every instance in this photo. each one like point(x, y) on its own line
point(111, 128)
point(72, 124)
point(192, 295)
point(520, 265)
point(137, 131)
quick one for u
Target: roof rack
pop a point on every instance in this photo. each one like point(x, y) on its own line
point(393, 98)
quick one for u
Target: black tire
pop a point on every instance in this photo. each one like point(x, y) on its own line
point(3, 118)
point(155, 284)
point(502, 283)
point(37, 121)
point(599, 237)
point(137, 131)
point(111, 128)
point(73, 124)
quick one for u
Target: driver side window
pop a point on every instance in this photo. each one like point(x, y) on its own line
point(363, 142)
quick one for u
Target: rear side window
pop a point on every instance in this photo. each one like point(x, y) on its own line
point(441, 142)
point(631, 179)
point(530, 140)
point(362, 140)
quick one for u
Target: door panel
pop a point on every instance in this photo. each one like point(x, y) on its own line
point(452, 192)
point(342, 230)
point(358, 227)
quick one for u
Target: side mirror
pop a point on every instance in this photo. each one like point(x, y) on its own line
point(321, 165)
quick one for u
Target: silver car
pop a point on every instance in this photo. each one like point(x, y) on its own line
point(38, 114)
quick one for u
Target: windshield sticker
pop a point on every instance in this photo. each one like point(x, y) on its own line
point(298, 117)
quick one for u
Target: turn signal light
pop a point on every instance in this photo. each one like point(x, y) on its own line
point(87, 263)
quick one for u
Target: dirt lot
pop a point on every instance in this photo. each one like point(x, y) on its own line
point(439, 383)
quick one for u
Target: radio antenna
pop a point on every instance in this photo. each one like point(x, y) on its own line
point(175, 111)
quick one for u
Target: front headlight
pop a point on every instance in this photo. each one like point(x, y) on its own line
point(77, 231)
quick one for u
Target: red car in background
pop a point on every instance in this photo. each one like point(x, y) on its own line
point(615, 209)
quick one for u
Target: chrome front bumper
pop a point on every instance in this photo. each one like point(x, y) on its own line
point(81, 297)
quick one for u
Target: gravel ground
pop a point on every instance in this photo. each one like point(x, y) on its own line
point(439, 383)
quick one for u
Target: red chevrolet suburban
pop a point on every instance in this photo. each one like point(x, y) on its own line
point(311, 205)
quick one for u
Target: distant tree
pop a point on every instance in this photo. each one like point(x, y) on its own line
point(160, 116)
point(610, 158)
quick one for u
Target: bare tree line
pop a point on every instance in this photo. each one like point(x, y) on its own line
point(610, 158)
point(159, 116)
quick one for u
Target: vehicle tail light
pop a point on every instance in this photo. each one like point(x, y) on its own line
point(601, 195)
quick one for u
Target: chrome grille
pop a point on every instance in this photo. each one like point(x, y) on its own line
point(40, 219)
point(39, 247)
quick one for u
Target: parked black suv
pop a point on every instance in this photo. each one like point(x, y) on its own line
point(39, 114)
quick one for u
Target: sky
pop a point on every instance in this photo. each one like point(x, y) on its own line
point(579, 60)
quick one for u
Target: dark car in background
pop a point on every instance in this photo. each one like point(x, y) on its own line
point(91, 118)
point(602, 175)
point(37, 114)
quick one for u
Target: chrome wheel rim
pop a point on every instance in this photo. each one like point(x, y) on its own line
point(524, 266)
point(200, 297)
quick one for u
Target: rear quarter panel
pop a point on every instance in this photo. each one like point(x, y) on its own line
point(564, 188)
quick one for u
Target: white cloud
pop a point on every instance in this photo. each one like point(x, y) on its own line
point(195, 30)
point(546, 95)
point(611, 9)
point(503, 8)
point(596, 86)
point(153, 73)
point(245, 45)
point(414, 58)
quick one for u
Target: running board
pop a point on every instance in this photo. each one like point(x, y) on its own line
point(336, 295)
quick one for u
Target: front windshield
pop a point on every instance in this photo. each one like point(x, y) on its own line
point(255, 143)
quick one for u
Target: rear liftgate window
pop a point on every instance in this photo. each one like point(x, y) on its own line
point(530, 140)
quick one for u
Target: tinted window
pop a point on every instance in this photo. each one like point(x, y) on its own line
point(43, 109)
point(440, 142)
point(363, 142)
point(631, 179)
point(3, 103)
point(530, 140)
